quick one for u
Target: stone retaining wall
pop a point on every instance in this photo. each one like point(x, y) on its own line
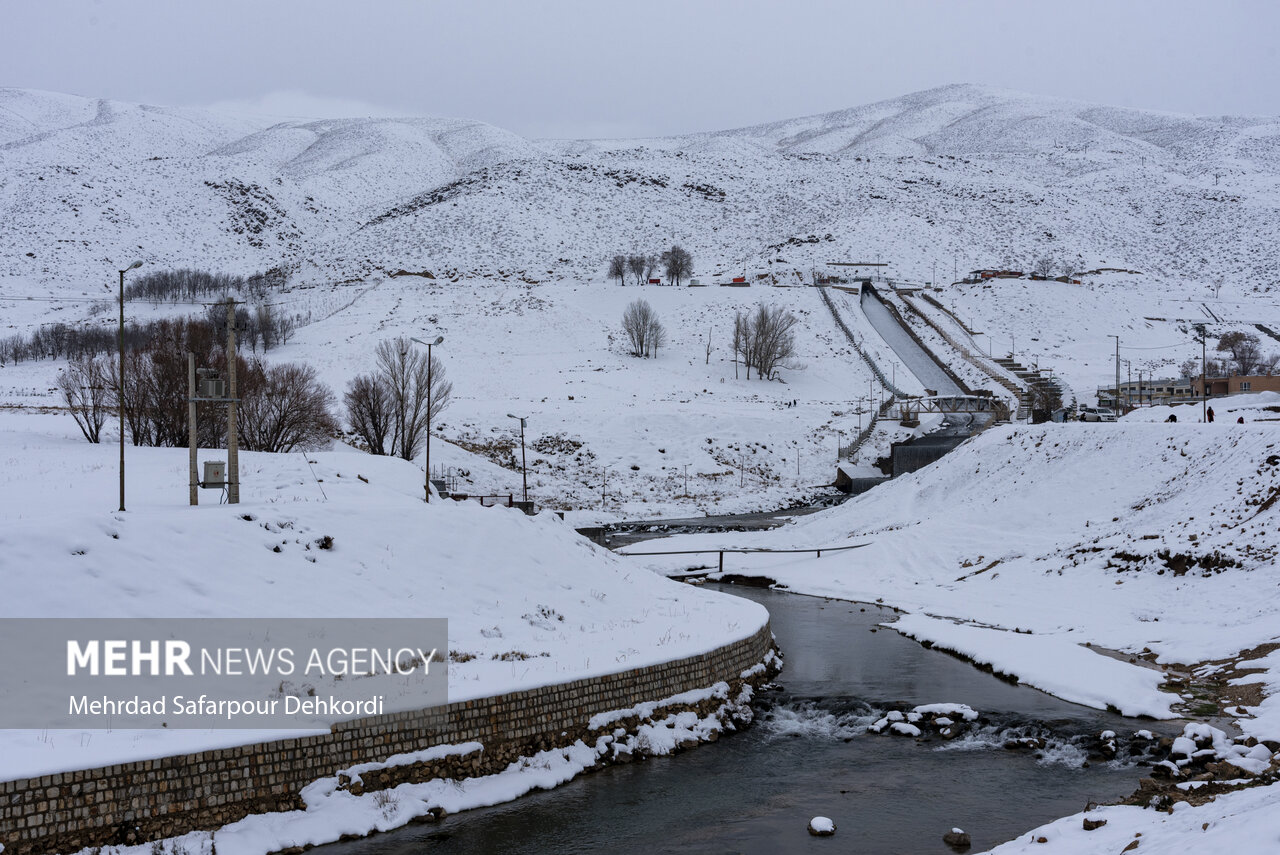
point(152, 799)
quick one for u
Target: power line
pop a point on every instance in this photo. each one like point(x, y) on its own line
point(107, 299)
point(1161, 347)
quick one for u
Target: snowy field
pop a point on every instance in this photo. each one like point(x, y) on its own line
point(529, 602)
point(557, 355)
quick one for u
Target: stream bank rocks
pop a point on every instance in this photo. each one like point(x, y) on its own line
point(1203, 763)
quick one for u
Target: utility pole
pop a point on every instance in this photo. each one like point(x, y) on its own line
point(1203, 373)
point(120, 381)
point(426, 463)
point(191, 427)
point(1117, 394)
point(1128, 386)
point(524, 469)
point(233, 438)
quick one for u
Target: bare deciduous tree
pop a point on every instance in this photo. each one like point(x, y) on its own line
point(1044, 266)
point(618, 268)
point(415, 404)
point(636, 264)
point(1243, 348)
point(85, 390)
point(651, 263)
point(369, 412)
point(289, 409)
point(677, 263)
point(764, 338)
point(644, 331)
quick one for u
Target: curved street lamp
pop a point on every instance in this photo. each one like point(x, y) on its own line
point(426, 483)
point(120, 388)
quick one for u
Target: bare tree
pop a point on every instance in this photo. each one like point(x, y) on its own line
point(642, 328)
point(1044, 266)
point(618, 268)
point(370, 412)
point(290, 409)
point(651, 263)
point(656, 338)
point(677, 263)
point(85, 390)
point(739, 342)
point(1068, 267)
point(414, 405)
point(636, 263)
point(709, 345)
point(1245, 353)
point(764, 338)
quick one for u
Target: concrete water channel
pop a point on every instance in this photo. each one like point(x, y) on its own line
point(810, 753)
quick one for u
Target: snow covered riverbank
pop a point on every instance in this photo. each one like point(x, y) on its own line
point(529, 602)
point(1042, 541)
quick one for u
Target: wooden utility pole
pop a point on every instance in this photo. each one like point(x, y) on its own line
point(191, 427)
point(233, 439)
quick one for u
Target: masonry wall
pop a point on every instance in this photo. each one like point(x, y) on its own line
point(151, 799)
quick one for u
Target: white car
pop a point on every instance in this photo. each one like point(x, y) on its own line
point(1096, 414)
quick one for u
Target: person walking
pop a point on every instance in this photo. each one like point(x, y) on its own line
point(1210, 415)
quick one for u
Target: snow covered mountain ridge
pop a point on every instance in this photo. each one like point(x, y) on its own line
point(960, 176)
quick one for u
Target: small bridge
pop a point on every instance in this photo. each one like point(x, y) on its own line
point(951, 404)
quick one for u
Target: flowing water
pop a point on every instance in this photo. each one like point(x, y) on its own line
point(809, 753)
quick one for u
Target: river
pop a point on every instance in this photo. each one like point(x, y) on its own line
point(809, 753)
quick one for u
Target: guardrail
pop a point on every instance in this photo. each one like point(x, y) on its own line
point(817, 549)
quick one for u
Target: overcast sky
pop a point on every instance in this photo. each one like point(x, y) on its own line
point(561, 68)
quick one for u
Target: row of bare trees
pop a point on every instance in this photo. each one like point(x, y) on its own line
point(185, 285)
point(261, 326)
point(283, 407)
point(676, 264)
point(391, 408)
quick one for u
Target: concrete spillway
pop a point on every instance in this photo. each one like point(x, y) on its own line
point(913, 357)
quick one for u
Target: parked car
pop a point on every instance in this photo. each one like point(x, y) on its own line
point(1096, 414)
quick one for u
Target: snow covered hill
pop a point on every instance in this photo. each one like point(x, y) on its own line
point(1028, 543)
point(963, 176)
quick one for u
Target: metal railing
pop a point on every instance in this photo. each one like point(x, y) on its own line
point(747, 550)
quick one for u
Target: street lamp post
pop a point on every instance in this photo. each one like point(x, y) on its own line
point(524, 470)
point(426, 483)
point(120, 386)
